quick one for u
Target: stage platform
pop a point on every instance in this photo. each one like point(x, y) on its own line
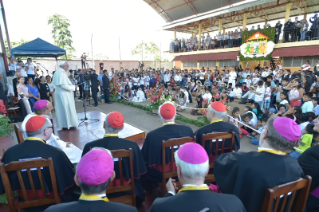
point(92, 130)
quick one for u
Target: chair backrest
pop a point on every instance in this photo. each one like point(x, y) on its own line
point(14, 100)
point(173, 145)
point(298, 192)
point(18, 133)
point(19, 166)
point(218, 139)
point(117, 156)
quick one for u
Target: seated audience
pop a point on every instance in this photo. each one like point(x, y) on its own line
point(39, 130)
point(216, 112)
point(249, 174)
point(113, 124)
point(94, 174)
point(44, 108)
point(192, 166)
point(152, 147)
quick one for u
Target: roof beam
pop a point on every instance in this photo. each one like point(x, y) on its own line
point(189, 3)
point(160, 10)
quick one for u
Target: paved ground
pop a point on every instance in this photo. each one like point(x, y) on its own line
point(147, 122)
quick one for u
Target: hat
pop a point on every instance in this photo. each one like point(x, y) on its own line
point(115, 120)
point(192, 153)
point(218, 106)
point(167, 110)
point(40, 104)
point(95, 167)
point(287, 128)
point(35, 123)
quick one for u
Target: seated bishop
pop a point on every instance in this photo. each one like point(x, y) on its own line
point(94, 174)
point(38, 131)
point(216, 112)
point(192, 167)
point(249, 174)
point(113, 124)
point(44, 108)
point(152, 147)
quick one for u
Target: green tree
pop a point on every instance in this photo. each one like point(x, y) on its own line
point(141, 49)
point(61, 33)
point(15, 44)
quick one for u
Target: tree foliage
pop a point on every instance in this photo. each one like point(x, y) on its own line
point(61, 33)
point(15, 44)
point(148, 48)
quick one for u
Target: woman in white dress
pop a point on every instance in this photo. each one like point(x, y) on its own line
point(140, 96)
point(232, 77)
point(182, 101)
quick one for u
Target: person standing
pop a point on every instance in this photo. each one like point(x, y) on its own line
point(278, 31)
point(30, 68)
point(83, 60)
point(34, 94)
point(80, 83)
point(106, 85)
point(287, 30)
point(101, 64)
point(64, 102)
point(52, 89)
point(94, 87)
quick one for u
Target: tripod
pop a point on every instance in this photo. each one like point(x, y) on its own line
point(85, 119)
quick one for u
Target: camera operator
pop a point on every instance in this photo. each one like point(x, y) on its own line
point(94, 86)
point(80, 82)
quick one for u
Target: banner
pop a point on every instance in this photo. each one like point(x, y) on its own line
point(257, 45)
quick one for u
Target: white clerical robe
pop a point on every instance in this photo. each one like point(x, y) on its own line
point(65, 111)
point(232, 78)
point(73, 152)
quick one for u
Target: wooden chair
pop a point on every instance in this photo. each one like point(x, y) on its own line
point(37, 201)
point(128, 199)
point(173, 145)
point(18, 133)
point(217, 138)
point(14, 100)
point(297, 201)
point(12, 110)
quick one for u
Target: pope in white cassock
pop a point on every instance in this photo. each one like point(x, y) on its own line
point(66, 116)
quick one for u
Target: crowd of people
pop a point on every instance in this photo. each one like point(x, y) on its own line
point(82, 182)
point(297, 30)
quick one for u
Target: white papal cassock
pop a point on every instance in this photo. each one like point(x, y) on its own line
point(64, 100)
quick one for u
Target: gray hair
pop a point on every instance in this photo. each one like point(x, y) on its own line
point(109, 128)
point(41, 130)
point(192, 171)
point(218, 114)
point(275, 139)
point(96, 189)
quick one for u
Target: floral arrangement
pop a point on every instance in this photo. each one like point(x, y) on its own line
point(6, 127)
point(156, 98)
point(115, 89)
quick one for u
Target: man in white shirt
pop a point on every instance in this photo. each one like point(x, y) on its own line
point(30, 67)
point(259, 93)
point(178, 78)
point(306, 67)
point(265, 73)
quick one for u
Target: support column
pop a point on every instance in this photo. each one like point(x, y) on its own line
point(220, 22)
point(288, 6)
point(217, 64)
point(198, 64)
point(244, 21)
point(182, 65)
point(266, 22)
point(224, 31)
point(199, 34)
point(174, 34)
point(305, 16)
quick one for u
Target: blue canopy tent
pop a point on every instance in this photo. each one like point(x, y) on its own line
point(38, 48)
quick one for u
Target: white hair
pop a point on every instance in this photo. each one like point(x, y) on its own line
point(109, 128)
point(166, 120)
point(217, 114)
point(62, 63)
point(192, 171)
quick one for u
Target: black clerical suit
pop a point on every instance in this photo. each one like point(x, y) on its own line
point(91, 206)
point(63, 168)
point(106, 85)
point(287, 30)
point(196, 200)
point(309, 162)
point(219, 126)
point(249, 174)
point(94, 87)
point(152, 147)
point(15, 82)
point(278, 32)
point(114, 143)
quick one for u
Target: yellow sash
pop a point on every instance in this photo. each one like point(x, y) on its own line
point(93, 198)
point(277, 152)
point(168, 123)
point(35, 139)
point(218, 120)
point(193, 188)
point(110, 135)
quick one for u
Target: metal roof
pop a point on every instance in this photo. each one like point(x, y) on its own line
point(182, 15)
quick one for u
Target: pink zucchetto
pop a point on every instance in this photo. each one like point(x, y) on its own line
point(95, 167)
point(287, 128)
point(40, 104)
point(192, 153)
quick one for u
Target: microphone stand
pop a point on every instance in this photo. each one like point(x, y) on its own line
point(85, 119)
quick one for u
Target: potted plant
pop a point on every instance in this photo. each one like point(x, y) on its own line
point(6, 127)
